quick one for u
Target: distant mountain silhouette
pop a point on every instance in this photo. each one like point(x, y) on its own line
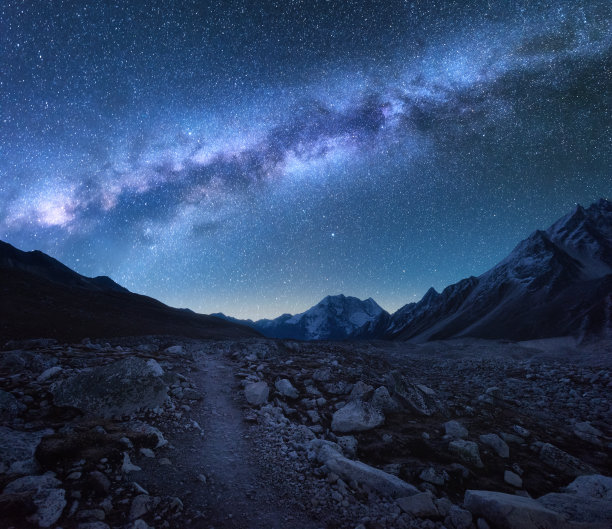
point(333, 318)
point(41, 297)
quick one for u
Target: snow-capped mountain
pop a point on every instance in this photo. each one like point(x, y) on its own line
point(333, 318)
point(556, 282)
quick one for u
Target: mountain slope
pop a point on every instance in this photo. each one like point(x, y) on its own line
point(556, 282)
point(40, 297)
point(333, 318)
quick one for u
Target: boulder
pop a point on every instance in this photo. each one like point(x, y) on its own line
point(467, 451)
point(458, 518)
point(595, 512)
point(17, 450)
point(10, 407)
point(48, 373)
point(513, 479)
point(144, 435)
point(175, 350)
point(257, 393)
point(411, 396)
point(496, 443)
point(593, 486)
point(117, 389)
point(455, 430)
point(431, 475)
point(348, 444)
point(357, 416)
point(563, 462)
point(361, 391)
point(383, 401)
point(349, 470)
point(507, 511)
point(420, 505)
point(46, 495)
point(286, 389)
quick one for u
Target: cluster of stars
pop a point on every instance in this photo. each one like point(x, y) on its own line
point(248, 157)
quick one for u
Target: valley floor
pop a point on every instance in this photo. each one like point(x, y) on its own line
point(269, 434)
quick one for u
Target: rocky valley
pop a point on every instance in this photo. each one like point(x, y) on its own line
point(162, 432)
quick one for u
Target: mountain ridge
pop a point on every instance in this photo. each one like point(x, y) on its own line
point(556, 282)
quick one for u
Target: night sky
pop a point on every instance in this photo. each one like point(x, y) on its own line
point(253, 157)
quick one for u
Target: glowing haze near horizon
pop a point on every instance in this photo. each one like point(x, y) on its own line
point(252, 157)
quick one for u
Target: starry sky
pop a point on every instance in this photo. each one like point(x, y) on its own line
point(252, 157)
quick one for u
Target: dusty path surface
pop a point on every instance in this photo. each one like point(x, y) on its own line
point(237, 492)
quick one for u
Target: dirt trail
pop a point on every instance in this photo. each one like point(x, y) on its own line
point(237, 494)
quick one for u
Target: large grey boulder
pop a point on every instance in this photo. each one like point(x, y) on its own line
point(382, 400)
point(10, 407)
point(417, 398)
point(357, 416)
point(597, 513)
point(349, 470)
point(257, 393)
point(46, 495)
point(17, 450)
point(592, 486)
point(467, 451)
point(563, 462)
point(506, 511)
point(286, 389)
point(117, 389)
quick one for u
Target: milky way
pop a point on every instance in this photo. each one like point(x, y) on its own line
point(253, 157)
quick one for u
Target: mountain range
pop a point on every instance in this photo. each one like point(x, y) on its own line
point(41, 297)
point(556, 282)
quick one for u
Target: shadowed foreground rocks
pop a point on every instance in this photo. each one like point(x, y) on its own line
point(456, 435)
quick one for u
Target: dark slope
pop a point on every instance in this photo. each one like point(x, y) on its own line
point(554, 283)
point(40, 297)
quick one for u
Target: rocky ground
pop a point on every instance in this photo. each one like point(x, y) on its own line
point(167, 433)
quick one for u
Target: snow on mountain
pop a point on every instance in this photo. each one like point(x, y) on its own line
point(333, 318)
point(554, 283)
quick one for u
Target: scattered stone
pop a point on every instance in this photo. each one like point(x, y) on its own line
point(593, 486)
point(127, 465)
point(46, 495)
point(348, 443)
point(595, 512)
point(411, 396)
point(496, 443)
point(48, 373)
point(458, 518)
point(431, 475)
point(257, 393)
point(286, 389)
point(361, 391)
point(383, 401)
point(420, 505)
point(513, 479)
point(175, 350)
point(117, 389)
point(356, 416)
point(10, 407)
point(467, 451)
point(563, 462)
point(17, 450)
point(507, 511)
point(455, 430)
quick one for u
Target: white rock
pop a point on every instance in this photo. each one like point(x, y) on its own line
point(47, 374)
point(286, 389)
point(357, 416)
point(467, 451)
point(257, 393)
